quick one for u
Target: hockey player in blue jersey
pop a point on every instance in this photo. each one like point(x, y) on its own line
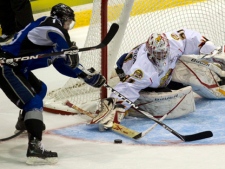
point(24, 89)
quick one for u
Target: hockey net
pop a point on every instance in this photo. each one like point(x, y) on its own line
point(137, 20)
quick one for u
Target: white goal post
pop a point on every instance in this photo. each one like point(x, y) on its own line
point(137, 20)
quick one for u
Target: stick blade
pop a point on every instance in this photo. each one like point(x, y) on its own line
point(109, 36)
point(198, 136)
point(11, 137)
point(138, 136)
point(125, 131)
point(111, 33)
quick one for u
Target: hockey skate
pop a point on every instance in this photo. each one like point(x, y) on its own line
point(20, 125)
point(36, 154)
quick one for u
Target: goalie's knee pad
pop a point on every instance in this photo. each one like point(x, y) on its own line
point(176, 103)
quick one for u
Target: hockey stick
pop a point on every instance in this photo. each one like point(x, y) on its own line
point(116, 127)
point(69, 104)
point(193, 137)
point(132, 133)
point(11, 137)
point(109, 36)
point(142, 134)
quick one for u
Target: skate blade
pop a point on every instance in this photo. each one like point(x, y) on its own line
point(41, 161)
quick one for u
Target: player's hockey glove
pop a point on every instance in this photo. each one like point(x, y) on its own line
point(73, 60)
point(73, 45)
point(95, 80)
point(123, 77)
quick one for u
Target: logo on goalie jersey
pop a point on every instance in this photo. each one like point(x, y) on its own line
point(175, 36)
point(138, 74)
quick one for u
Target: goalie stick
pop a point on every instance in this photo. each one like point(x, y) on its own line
point(132, 133)
point(193, 137)
point(69, 104)
point(137, 135)
point(109, 36)
point(11, 137)
point(116, 127)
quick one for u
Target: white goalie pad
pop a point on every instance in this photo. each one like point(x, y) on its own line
point(203, 76)
point(176, 103)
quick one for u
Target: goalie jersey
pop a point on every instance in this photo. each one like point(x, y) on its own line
point(144, 73)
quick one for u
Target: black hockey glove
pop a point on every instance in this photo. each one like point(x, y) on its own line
point(94, 80)
point(73, 45)
point(73, 60)
point(123, 77)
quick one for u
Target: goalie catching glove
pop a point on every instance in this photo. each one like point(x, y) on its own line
point(110, 113)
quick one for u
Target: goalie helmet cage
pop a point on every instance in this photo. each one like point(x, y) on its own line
point(137, 20)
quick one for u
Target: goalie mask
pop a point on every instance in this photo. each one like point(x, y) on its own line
point(157, 46)
point(65, 14)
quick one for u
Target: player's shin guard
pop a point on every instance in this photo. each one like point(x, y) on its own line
point(20, 125)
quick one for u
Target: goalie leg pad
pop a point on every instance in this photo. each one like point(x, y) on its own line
point(203, 80)
point(176, 103)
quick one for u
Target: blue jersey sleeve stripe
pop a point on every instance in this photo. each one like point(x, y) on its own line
point(65, 69)
point(59, 40)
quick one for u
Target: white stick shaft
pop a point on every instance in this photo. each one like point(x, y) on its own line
point(153, 126)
